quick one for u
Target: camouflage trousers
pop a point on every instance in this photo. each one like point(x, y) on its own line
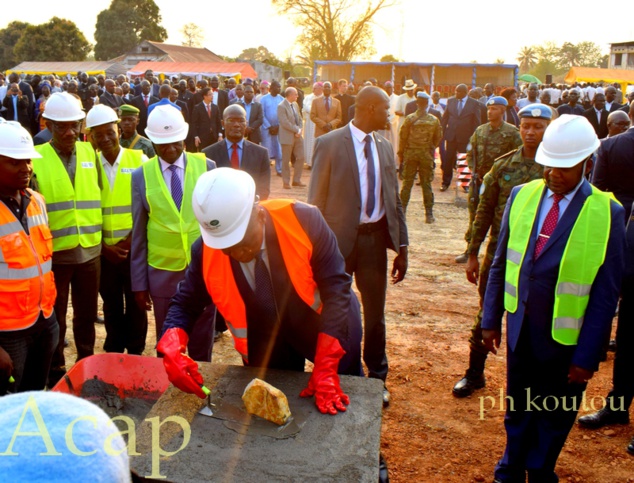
point(424, 165)
point(472, 206)
point(475, 341)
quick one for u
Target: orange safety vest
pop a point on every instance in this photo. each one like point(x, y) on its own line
point(296, 249)
point(26, 279)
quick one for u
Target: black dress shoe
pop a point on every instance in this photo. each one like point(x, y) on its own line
point(630, 447)
point(612, 346)
point(604, 417)
point(444, 187)
point(465, 386)
point(99, 320)
point(386, 397)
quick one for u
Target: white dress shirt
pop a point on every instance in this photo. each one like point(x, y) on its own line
point(112, 169)
point(358, 139)
point(167, 173)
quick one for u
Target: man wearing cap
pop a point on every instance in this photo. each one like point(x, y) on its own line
point(69, 178)
point(556, 272)
point(402, 101)
point(164, 226)
point(488, 142)
point(28, 327)
point(130, 138)
point(510, 170)
point(274, 271)
point(125, 321)
point(419, 137)
point(326, 112)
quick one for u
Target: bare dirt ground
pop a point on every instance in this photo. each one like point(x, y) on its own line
point(428, 435)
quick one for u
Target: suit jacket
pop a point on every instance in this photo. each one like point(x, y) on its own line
point(320, 117)
point(290, 123)
point(255, 122)
point(615, 107)
point(111, 100)
point(154, 89)
point(601, 128)
point(459, 127)
point(346, 101)
point(411, 108)
point(23, 111)
point(255, 161)
point(614, 167)
point(223, 100)
point(537, 287)
point(184, 109)
point(205, 127)
point(335, 188)
point(137, 102)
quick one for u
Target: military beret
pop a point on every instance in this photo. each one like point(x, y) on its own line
point(128, 110)
point(497, 101)
point(422, 95)
point(536, 111)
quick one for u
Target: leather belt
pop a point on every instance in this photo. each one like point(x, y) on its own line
point(367, 228)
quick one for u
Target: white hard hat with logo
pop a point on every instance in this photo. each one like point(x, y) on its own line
point(99, 115)
point(165, 125)
point(223, 201)
point(63, 107)
point(16, 142)
point(568, 140)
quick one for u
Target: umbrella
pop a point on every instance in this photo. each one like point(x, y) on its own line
point(529, 78)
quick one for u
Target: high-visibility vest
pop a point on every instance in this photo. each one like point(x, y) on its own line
point(297, 251)
point(26, 280)
point(74, 212)
point(583, 256)
point(116, 203)
point(170, 233)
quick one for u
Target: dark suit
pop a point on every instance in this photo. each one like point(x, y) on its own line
point(614, 107)
point(335, 190)
point(346, 102)
point(23, 111)
point(223, 101)
point(601, 128)
point(256, 118)
point(111, 100)
point(203, 126)
point(255, 161)
point(457, 129)
point(412, 107)
point(154, 89)
point(138, 102)
point(184, 109)
point(535, 361)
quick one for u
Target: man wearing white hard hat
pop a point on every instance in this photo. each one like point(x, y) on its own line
point(164, 226)
point(125, 321)
point(69, 178)
point(557, 273)
point(274, 271)
point(28, 327)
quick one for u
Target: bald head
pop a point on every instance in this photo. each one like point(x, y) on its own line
point(165, 91)
point(371, 109)
point(461, 91)
point(234, 110)
point(619, 122)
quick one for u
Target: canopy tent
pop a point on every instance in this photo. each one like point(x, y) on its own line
point(434, 76)
point(195, 69)
point(588, 74)
point(60, 69)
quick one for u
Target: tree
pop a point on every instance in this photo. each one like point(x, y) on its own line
point(569, 55)
point(260, 54)
point(343, 28)
point(590, 54)
point(389, 58)
point(58, 39)
point(124, 24)
point(193, 35)
point(548, 52)
point(9, 36)
point(527, 58)
point(499, 61)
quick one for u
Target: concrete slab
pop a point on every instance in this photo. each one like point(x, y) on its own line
point(314, 447)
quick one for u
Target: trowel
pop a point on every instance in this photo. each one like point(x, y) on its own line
point(206, 409)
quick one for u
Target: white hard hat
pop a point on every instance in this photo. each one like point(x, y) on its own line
point(62, 107)
point(165, 125)
point(568, 140)
point(101, 114)
point(16, 142)
point(223, 201)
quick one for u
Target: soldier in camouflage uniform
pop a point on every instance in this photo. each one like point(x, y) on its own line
point(418, 138)
point(488, 142)
point(512, 169)
point(130, 139)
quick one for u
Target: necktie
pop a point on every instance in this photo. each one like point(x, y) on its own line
point(459, 106)
point(371, 175)
point(177, 189)
point(235, 159)
point(327, 104)
point(145, 101)
point(209, 110)
point(549, 225)
point(264, 290)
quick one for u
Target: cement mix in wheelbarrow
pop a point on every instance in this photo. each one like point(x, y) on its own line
point(233, 446)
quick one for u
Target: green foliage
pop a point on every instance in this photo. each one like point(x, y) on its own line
point(527, 58)
point(549, 58)
point(389, 58)
point(9, 36)
point(57, 40)
point(192, 35)
point(260, 54)
point(124, 24)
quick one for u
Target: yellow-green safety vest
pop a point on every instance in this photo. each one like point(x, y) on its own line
point(74, 212)
point(170, 233)
point(583, 256)
point(116, 203)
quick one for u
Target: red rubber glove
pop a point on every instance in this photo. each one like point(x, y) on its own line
point(324, 381)
point(181, 370)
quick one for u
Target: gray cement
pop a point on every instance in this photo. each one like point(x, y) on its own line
point(314, 447)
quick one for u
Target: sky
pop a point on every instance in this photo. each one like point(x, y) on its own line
point(411, 30)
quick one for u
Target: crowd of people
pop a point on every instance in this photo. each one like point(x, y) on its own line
point(155, 195)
